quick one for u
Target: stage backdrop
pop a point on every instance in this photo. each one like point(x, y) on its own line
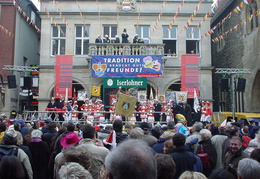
point(127, 66)
point(190, 74)
point(63, 79)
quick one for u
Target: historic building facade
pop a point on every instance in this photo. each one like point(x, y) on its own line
point(235, 45)
point(19, 47)
point(168, 28)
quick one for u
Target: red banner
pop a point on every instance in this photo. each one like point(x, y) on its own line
point(190, 74)
point(63, 78)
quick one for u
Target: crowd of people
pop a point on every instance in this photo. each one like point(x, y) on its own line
point(129, 150)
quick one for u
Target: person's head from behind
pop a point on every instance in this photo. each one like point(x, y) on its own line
point(205, 134)
point(178, 140)
point(133, 158)
point(10, 137)
point(70, 127)
point(88, 131)
point(118, 125)
point(74, 170)
point(255, 154)
point(197, 126)
point(136, 133)
point(192, 175)
point(78, 154)
point(166, 167)
point(234, 131)
point(248, 169)
point(221, 173)
point(11, 167)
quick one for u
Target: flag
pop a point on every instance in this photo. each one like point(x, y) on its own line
point(223, 124)
point(111, 140)
point(196, 104)
point(74, 95)
point(151, 94)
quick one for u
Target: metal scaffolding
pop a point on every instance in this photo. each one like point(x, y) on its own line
point(233, 72)
point(20, 68)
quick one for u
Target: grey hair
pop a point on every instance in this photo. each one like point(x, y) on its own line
point(205, 134)
point(73, 170)
point(133, 158)
point(136, 133)
point(248, 169)
point(198, 126)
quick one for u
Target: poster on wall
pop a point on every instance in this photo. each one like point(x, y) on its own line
point(170, 95)
point(142, 95)
point(181, 96)
point(127, 66)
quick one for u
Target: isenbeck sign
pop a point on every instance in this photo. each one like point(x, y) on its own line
point(125, 82)
point(127, 66)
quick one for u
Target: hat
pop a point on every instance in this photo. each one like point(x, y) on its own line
point(181, 118)
point(236, 124)
point(36, 134)
point(47, 120)
point(10, 134)
point(144, 126)
point(70, 139)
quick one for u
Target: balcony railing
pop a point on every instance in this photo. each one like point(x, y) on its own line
point(125, 49)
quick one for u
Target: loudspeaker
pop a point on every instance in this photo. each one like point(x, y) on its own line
point(241, 84)
point(11, 81)
point(225, 84)
point(27, 82)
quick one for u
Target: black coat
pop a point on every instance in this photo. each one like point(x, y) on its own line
point(157, 108)
point(183, 159)
point(210, 149)
point(40, 153)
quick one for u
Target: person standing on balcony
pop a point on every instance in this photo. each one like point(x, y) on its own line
point(98, 39)
point(124, 36)
point(106, 40)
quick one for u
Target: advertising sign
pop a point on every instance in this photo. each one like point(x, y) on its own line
point(125, 82)
point(127, 66)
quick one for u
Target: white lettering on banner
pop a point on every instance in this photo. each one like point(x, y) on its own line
point(124, 70)
point(129, 83)
point(122, 60)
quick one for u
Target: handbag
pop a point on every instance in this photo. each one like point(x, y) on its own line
point(204, 157)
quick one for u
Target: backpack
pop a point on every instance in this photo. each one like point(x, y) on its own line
point(8, 151)
point(204, 157)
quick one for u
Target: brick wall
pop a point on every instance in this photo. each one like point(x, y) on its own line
point(7, 20)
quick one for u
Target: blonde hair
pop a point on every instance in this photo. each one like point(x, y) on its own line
point(192, 175)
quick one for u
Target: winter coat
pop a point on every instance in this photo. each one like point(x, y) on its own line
point(210, 149)
point(183, 159)
point(231, 161)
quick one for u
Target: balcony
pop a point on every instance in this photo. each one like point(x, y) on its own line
point(125, 49)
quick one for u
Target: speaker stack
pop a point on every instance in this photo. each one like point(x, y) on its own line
point(27, 82)
point(11, 81)
point(241, 84)
point(224, 84)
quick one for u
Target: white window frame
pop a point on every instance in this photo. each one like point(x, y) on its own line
point(110, 34)
point(191, 36)
point(140, 31)
point(167, 35)
point(82, 38)
point(58, 39)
